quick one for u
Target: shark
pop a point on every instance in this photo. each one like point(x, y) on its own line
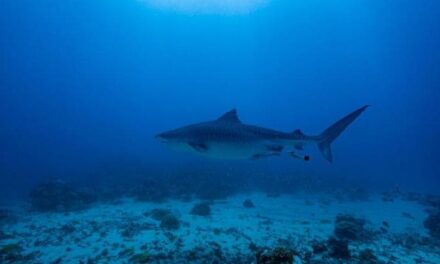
point(227, 137)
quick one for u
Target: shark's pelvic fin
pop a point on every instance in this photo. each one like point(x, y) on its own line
point(230, 116)
point(332, 132)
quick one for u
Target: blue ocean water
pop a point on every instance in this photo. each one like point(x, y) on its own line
point(86, 85)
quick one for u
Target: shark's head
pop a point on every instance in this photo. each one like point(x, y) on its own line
point(176, 138)
point(172, 136)
point(200, 137)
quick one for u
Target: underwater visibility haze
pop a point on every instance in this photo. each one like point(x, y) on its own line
point(91, 90)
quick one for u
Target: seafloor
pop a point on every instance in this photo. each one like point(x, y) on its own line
point(244, 228)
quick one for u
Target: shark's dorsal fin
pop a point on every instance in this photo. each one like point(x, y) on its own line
point(230, 116)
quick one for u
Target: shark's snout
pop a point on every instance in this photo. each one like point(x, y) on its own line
point(161, 137)
point(165, 137)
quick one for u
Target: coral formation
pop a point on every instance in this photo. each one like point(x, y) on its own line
point(350, 228)
point(277, 255)
point(212, 252)
point(10, 253)
point(432, 223)
point(338, 248)
point(432, 200)
point(367, 256)
point(248, 204)
point(158, 214)
point(170, 222)
point(201, 209)
point(132, 228)
point(140, 258)
point(319, 247)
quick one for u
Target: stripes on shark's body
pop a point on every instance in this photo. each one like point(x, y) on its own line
point(228, 138)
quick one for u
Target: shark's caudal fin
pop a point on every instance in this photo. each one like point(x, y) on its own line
point(332, 132)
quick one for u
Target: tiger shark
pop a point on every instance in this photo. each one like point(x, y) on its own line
point(228, 138)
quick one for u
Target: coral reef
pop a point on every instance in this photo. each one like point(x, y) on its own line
point(170, 222)
point(367, 256)
point(140, 258)
point(136, 232)
point(277, 255)
point(432, 200)
point(133, 228)
point(248, 204)
point(319, 247)
point(338, 248)
point(350, 228)
point(11, 253)
point(432, 223)
point(60, 196)
point(67, 228)
point(212, 252)
point(158, 214)
point(167, 219)
point(411, 240)
point(201, 209)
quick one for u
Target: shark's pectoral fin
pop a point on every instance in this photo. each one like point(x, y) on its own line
point(198, 146)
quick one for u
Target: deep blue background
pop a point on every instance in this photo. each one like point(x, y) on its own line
point(88, 82)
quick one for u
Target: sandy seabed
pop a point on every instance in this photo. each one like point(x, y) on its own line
point(125, 231)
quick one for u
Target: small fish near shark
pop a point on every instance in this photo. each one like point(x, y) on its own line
point(228, 138)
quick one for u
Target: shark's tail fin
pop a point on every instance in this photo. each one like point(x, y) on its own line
point(332, 132)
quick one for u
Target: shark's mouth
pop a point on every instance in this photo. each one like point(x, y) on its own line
point(208, 6)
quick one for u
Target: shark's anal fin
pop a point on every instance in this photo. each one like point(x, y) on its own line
point(200, 147)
